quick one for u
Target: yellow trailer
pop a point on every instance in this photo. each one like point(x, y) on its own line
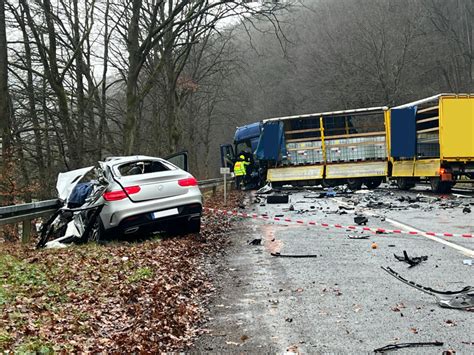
point(432, 139)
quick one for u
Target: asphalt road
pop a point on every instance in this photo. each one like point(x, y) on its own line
point(341, 300)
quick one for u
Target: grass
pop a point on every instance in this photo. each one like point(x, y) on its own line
point(35, 345)
point(143, 273)
point(18, 277)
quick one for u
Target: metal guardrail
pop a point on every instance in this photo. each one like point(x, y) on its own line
point(26, 212)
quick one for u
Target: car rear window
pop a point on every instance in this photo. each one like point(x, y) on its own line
point(143, 167)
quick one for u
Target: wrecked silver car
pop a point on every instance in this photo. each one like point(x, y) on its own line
point(134, 195)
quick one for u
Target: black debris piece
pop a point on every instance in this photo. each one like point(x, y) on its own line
point(292, 256)
point(277, 199)
point(466, 210)
point(358, 236)
point(413, 261)
point(256, 241)
point(407, 345)
point(292, 208)
point(361, 220)
point(462, 299)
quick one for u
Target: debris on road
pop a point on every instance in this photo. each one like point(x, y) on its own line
point(330, 192)
point(358, 236)
point(461, 299)
point(277, 198)
point(293, 256)
point(256, 241)
point(374, 245)
point(361, 220)
point(407, 345)
point(467, 262)
point(265, 189)
point(413, 261)
point(466, 210)
point(398, 307)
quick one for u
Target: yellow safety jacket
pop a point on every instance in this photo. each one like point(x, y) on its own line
point(240, 168)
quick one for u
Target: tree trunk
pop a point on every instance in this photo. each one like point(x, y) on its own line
point(131, 119)
point(30, 91)
point(5, 110)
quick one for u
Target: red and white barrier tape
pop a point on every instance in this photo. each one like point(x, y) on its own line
point(327, 225)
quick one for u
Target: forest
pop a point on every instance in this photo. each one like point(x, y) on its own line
point(81, 80)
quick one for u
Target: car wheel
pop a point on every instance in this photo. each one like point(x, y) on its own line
point(97, 231)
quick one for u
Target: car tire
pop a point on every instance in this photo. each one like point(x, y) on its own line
point(97, 231)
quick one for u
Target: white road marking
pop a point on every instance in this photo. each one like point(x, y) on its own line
point(466, 251)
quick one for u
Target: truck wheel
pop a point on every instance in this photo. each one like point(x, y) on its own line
point(354, 184)
point(373, 183)
point(329, 183)
point(440, 187)
point(405, 183)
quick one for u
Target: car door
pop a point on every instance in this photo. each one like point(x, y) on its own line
point(180, 160)
point(227, 156)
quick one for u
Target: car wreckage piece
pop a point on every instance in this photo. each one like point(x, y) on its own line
point(413, 261)
point(461, 299)
point(81, 204)
point(407, 345)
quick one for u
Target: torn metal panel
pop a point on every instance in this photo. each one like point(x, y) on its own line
point(413, 261)
point(461, 299)
point(68, 180)
point(407, 345)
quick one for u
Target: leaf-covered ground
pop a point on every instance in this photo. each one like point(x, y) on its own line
point(125, 297)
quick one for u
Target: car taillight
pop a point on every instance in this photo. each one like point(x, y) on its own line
point(121, 194)
point(188, 182)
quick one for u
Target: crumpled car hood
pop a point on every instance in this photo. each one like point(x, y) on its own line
point(68, 180)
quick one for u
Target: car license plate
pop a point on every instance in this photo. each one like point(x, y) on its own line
point(165, 213)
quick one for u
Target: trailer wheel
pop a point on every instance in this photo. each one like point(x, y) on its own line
point(373, 183)
point(329, 183)
point(441, 187)
point(354, 184)
point(405, 183)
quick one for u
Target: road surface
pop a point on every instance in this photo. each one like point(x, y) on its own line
point(341, 300)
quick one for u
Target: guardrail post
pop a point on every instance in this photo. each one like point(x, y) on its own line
point(26, 231)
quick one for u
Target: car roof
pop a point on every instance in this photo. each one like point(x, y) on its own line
point(128, 159)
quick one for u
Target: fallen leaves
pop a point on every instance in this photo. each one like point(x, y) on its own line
point(139, 297)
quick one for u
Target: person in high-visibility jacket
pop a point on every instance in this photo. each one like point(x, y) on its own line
point(240, 170)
